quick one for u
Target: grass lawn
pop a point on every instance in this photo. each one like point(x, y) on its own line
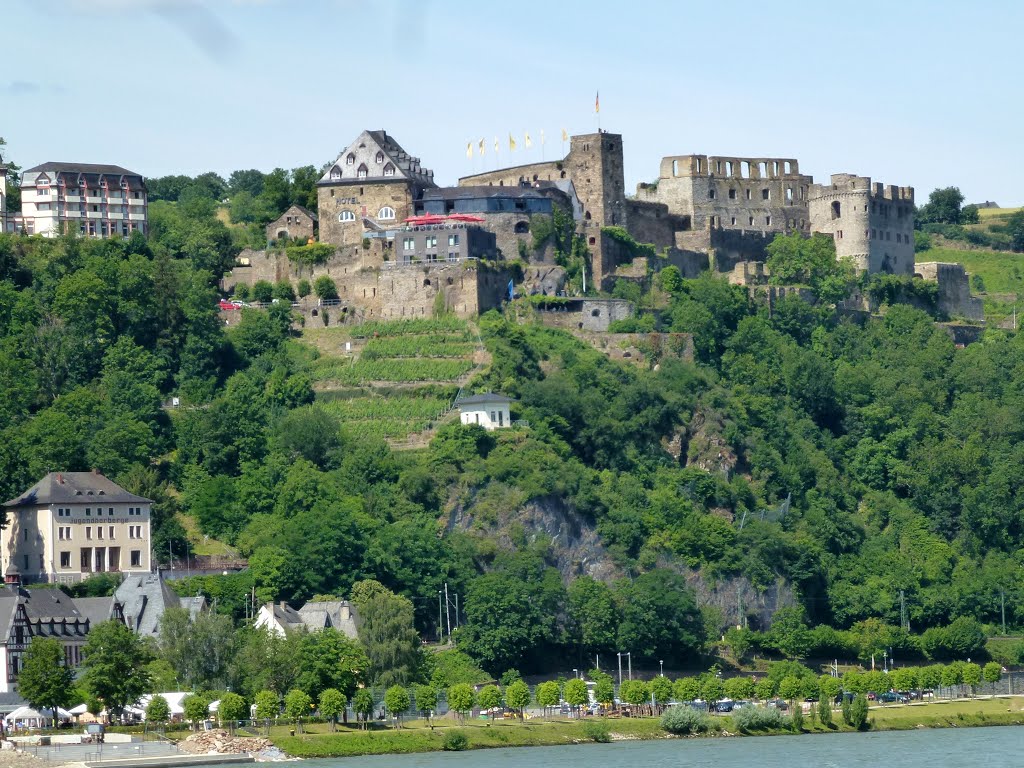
point(961, 712)
point(1002, 273)
point(996, 213)
point(417, 737)
point(203, 545)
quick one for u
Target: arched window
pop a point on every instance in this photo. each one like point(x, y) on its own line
point(387, 212)
point(346, 216)
point(351, 159)
point(522, 227)
point(587, 216)
point(335, 173)
point(362, 171)
point(380, 157)
point(389, 170)
point(836, 210)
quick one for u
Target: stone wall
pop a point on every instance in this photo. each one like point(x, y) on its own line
point(362, 201)
point(954, 299)
point(640, 348)
point(295, 223)
point(579, 314)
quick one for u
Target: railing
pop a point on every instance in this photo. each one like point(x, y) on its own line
point(426, 262)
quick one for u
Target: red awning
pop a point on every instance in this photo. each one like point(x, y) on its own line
point(418, 221)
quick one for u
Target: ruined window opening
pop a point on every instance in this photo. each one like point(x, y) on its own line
point(732, 194)
point(522, 227)
point(593, 241)
point(734, 221)
point(766, 194)
point(675, 167)
point(836, 210)
point(587, 215)
point(748, 193)
point(751, 221)
point(728, 167)
point(767, 221)
point(775, 167)
point(745, 169)
point(595, 313)
point(700, 166)
point(711, 194)
point(762, 170)
point(789, 194)
point(718, 166)
point(426, 283)
point(787, 168)
point(562, 175)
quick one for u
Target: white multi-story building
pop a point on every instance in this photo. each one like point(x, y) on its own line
point(71, 525)
point(83, 198)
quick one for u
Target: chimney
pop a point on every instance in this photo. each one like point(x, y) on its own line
point(12, 577)
point(60, 478)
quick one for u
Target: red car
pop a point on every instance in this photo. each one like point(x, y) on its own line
point(226, 305)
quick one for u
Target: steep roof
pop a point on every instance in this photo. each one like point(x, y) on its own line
point(339, 614)
point(96, 609)
point(75, 488)
point(364, 151)
point(57, 167)
point(488, 397)
point(145, 597)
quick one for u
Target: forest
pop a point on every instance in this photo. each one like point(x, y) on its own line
point(808, 486)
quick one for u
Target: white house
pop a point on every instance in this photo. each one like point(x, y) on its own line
point(489, 410)
point(280, 618)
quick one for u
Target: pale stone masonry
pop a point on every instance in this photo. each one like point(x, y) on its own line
point(71, 525)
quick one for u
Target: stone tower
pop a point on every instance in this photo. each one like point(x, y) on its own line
point(871, 223)
point(594, 164)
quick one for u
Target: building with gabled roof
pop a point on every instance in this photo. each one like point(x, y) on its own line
point(70, 525)
point(297, 224)
point(144, 599)
point(488, 410)
point(336, 614)
point(89, 199)
point(371, 185)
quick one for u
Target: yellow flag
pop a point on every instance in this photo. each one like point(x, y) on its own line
point(496, 145)
point(597, 102)
point(565, 135)
point(482, 148)
point(469, 149)
point(511, 143)
point(542, 137)
point(529, 142)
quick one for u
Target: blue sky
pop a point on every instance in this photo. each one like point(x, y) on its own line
point(913, 93)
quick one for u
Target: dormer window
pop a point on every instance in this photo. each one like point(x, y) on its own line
point(389, 170)
point(380, 158)
point(335, 173)
point(350, 159)
point(362, 171)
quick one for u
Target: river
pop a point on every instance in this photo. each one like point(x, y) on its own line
point(999, 747)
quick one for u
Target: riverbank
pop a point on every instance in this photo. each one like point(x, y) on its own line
point(417, 737)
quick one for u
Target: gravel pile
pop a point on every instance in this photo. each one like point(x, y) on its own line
point(220, 743)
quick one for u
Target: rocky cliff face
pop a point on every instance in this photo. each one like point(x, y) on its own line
point(575, 546)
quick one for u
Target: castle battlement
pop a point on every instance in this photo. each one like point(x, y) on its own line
point(849, 183)
point(721, 166)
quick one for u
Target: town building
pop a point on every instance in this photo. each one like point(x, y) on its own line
point(297, 224)
point(84, 198)
point(429, 239)
point(3, 197)
point(145, 597)
point(71, 525)
point(371, 185)
point(489, 410)
point(281, 619)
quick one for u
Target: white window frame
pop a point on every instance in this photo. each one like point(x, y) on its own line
point(387, 213)
point(346, 217)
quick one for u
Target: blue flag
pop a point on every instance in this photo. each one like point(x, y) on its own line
point(511, 292)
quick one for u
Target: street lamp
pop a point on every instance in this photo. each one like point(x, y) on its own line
point(575, 672)
point(629, 660)
point(661, 663)
point(619, 654)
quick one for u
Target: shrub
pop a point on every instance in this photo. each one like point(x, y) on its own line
point(858, 713)
point(797, 718)
point(749, 719)
point(325, 288)
point(455, 741)
point(262, 291)
point(683, 720)
point(597, 730)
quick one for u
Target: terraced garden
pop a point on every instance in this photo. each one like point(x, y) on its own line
point(392, 379)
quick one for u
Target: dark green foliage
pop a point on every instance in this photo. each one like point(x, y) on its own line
point(455, 741)
point(682, 720)
point(943, 207)
point(858, 717)
point(597, 730)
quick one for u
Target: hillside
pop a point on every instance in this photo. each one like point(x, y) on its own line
point(1001, 276)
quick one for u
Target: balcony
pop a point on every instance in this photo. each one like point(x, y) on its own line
point(94, 215)
point(116, 215)
point(42, 197)
point(94, 200)
point(73, 198)
point(136, 201)
point(73, 215)
point(137, 216)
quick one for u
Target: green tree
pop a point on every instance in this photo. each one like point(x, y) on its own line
point(325, 288)
point(517, 697)
point(297, 704)
point(262, 291)
point(859, 712)
point(114, 663)
point(303, 288)
point(943, 207)
point(992, 673)
point(739, 642)
point(972, 675)
point(196, 708)
point(331, 704)
point(712, 690)
point(661, 688)
point(660, 618)
point(44, 680)
point(397, 702)
point(158, 711)
point(231, 709)
point(825, 709)
point(490, 699)
point(739, 688)
point(548, 695)
point(789, 633)
point(671, 279)
point(388, 634)
point(594, 614)
point(765, 689)
point(268, 705)
point(329, 659)
point(686, 689)
point(461, 698)
point(576, 694)
point(362, 705)
point(604, 689)
point(283, 291)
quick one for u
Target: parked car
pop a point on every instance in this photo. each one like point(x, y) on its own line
point(740, 704)
point(226, 305)
point(779, 704)
point(893, 697)
point(724, 706)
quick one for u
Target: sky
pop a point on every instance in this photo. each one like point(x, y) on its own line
point(922, 93)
